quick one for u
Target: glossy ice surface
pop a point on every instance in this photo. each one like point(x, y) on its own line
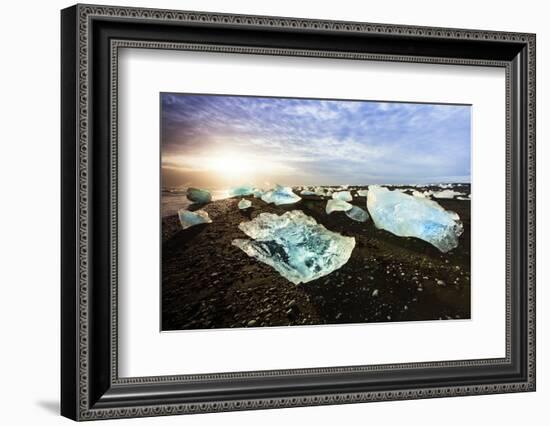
point(408, 216)
point(295, 245)
point(189, 219)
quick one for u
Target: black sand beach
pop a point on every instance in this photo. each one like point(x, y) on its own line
point(208, 283)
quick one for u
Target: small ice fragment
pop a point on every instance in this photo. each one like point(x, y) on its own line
point(197, 195)
point(280, 195)
point(363, 192)
point(447, 193)
point(295, 245)
point(244, 204)
point(357, 214)
point(463, 198)
point(342, 195)
point(307, 192)
point(242, 190)
point(189, 218)
point(320, 191)
point(408, 216)
point(425, 194)
point(337, 206)
point(258, 193)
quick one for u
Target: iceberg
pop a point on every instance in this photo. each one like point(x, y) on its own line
point(197, 195)
point(357, 214)
point(189, 218)
point(342, 195)
point(447, 193)
point(242, 190)
point(258, 193)
point(408, 216)
point(244, 204)
point(337, 206)
point(295, 245)
point(280, 195)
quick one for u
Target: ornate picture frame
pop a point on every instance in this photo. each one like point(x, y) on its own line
point(91, 37)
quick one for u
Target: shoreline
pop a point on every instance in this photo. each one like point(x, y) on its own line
point(208, 283)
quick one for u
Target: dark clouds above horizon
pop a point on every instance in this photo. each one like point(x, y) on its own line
point(215, 141)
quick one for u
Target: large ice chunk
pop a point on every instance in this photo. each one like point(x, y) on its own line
point(189, 218)
point(242, 190)
point(280, 195)
point(295, 245)
point(357, 214)
point(244, 204)
point(197, 195)
point(337, 206)
point(408, 216)
point(342, 195)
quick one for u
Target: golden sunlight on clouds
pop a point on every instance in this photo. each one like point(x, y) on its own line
point(230, 166)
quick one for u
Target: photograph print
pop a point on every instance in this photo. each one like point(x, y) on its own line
point(297, 212)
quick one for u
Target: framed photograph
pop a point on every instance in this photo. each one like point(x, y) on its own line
point(263, 212)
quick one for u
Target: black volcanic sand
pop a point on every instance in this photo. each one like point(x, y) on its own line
point(208, 283)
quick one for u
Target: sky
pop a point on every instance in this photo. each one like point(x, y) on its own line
point(216, 141)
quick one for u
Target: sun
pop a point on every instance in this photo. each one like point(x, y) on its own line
point(232, 165)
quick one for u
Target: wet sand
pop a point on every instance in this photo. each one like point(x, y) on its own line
point(208, 283)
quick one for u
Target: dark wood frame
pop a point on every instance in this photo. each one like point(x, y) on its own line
point(91, 37)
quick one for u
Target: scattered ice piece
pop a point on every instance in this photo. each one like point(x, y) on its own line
point(357, 214)
point(337, 206)
point(280, 195)
point(342, 195)
point(244, 204)
point(408, 216)
point(307, 192)
point(189, 218)
point(242, 190)
point(319, 191)
point(295, 245)
point(197, 195)
point(447, 193)
point(363, 192)
point(463, 198)
point(258, 193)
point(375, 293)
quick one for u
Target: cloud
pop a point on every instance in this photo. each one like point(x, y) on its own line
point(322, 141)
